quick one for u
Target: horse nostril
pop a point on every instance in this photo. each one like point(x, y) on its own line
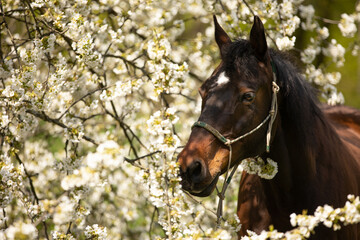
point(195, 171)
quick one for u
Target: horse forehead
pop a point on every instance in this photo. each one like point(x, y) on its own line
point(219, 78)
point(222, 79)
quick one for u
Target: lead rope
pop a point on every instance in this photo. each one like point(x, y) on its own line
point(221, 194)
point(272, 115)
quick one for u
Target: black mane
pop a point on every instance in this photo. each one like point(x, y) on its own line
point(299, 103)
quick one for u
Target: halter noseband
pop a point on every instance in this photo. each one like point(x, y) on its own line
point(270, 117)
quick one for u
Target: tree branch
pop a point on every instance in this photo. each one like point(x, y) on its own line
point(46, 118)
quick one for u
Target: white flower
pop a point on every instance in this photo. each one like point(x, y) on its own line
point(60, 236)
point(323, 32)
point(285, 43)
point(96, 232)
point(309, 54)
point(333, 97)
point(355, 50)
point(38, 4)
point(347, 25)
point(336, 51)
point(333, 78)
point(159, 48)
point(315, 75)
point(269, 170)
point(293, 220)
point(85, 177)
point(257, 166)
point(65, 211)
point(224, 235)
point(286, 8)
point(291, 25)
point(307, 11)
point(25, 230)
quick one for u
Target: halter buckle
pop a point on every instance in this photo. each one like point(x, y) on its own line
point(276, 87)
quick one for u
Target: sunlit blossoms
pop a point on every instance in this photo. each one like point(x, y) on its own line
point(285, 43)
point(336, 52)
point(257, 166)
point(95, 232)
point(347, 25)
point(10, 181)
point(306, 224)
point(20, 230)
point(98, 97)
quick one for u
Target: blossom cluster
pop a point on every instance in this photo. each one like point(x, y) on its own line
point(257, 166)
point(10, 181)
point(98, 97)
point(306, 224)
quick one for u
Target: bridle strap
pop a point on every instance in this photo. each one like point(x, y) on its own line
point(270, 117)
point(215, 132)
point(272, 113)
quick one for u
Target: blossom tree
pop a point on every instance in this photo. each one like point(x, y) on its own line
point(97, 98)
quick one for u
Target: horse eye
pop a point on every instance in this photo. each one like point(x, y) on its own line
point(248, 97)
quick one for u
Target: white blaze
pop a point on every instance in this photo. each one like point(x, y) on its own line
point(222, 79)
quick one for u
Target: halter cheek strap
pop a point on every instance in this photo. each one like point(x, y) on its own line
point(270, 117)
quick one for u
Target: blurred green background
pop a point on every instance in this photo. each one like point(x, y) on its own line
point(350, 72)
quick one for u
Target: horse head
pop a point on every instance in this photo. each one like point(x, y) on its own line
point(236, 100)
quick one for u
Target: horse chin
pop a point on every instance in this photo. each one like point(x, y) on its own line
point(208, 190)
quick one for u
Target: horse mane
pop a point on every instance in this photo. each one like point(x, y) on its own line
point(300, 107)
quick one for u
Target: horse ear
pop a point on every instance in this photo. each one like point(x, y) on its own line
point(221, 37)
point(258, 39)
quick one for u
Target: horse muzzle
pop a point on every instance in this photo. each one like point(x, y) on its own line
point(196, 180)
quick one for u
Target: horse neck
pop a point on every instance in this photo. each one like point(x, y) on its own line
point(305, 158)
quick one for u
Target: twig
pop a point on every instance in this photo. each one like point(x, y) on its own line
point(29, 178)
point(248, 6)
point(254, 14)
point(33, 191)
point(5, 222)
point(69, 228)
point(123, 126)
point(11, 36)
point(131, 63)
point(33, 14)
point(142, 157)
point(152, 221)
point(199, 202)
point(81, 98)
point(326, 20)
point(46, 118)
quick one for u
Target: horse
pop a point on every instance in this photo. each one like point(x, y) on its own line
point(257, 103)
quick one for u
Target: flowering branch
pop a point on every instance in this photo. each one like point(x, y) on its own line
point(330, 217)
point(46, 118)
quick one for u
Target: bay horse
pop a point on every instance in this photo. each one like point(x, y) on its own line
point(316, 147)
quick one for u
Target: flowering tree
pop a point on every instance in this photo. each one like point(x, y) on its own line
point(97, 97)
